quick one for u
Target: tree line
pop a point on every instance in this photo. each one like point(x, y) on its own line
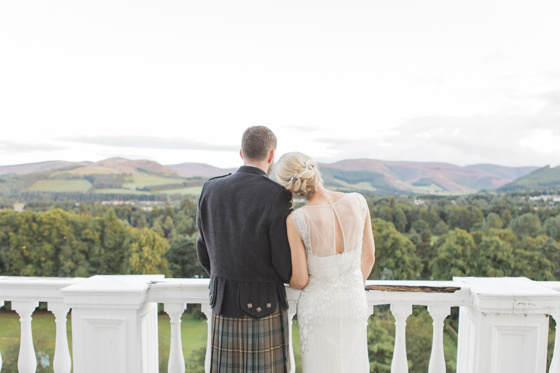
point(80, 240)
point(481, 235)
point(430, 238)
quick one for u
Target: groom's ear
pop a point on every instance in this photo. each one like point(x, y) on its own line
point(241, 153)
point(271, 156)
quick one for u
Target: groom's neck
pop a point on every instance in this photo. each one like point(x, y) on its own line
point(263, 165)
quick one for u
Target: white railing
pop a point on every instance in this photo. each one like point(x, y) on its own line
point(25, 293)
point(502, 327)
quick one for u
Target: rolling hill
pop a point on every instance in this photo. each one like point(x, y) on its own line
point(542, 179)
point(431, 177)
point(29, 168)
point(119, 175)
point(199, 170)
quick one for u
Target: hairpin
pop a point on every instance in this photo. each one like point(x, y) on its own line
point(291, 179)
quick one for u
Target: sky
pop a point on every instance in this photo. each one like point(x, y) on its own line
point(173, 81)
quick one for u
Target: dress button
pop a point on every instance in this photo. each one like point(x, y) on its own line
point(259, 309)
point(268, 305)
point(249, 305)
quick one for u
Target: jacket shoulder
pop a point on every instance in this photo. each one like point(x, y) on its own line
point(219, 177)
point(280, 187)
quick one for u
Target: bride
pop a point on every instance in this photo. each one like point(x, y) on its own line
point(333, 253)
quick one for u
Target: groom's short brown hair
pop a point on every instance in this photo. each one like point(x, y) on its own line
point(257, 142)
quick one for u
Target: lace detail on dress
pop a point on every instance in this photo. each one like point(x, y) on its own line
point(302, 229)
point(363, 206)
point(327, 301)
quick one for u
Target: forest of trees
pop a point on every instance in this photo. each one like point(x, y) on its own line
point(431, 238)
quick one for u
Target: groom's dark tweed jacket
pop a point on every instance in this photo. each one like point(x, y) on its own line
point(242, 242)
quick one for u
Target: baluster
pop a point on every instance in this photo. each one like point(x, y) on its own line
point(400, 361)
point(291, 313)
point(1, 305)
point(437, 359)
point(62, 363)
point(555, 364)
point(176, 362)
point(207, 310)
point(371, 311)
point(27, 361)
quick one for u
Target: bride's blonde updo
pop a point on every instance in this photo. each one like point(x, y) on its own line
point(298, 173)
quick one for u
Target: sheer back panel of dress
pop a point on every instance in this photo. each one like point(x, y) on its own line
point(333, 229)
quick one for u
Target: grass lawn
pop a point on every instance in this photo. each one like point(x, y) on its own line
point(61, 186)
point(193, 332)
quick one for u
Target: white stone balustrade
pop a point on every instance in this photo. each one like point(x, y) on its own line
point(503, 322)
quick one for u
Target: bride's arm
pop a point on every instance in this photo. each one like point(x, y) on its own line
point(368, 248)
point(300, 277)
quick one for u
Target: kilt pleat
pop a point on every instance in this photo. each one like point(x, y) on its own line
point(249, 345)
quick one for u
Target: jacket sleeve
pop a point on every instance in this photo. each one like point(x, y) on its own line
point(201, 249)
point(280, 248)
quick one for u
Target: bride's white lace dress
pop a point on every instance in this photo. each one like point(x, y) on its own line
point(332, 309)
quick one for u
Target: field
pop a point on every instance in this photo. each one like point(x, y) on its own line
point(142, 180)
point(193, 332)
point(364, 185)
point(61, 185)
point(121, 191)
point(430, 189)
point(131, 186)
point(195, 191)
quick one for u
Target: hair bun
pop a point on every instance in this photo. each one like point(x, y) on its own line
point(298, 173)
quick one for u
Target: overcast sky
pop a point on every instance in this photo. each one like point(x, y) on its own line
point(175, 81)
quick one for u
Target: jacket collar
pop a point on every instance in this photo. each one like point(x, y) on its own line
point(252, 170)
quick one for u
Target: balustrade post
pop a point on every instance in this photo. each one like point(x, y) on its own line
point(505, 329)
point(437, 358)
point(291, 313)
point(555, 364)
point(176, 362)
point(114, 326)
point(400, 312)
point(27, 361)
point(207, 310)
point(62, 363)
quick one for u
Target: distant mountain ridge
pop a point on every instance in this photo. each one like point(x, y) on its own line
point(29, 168)
point(543, 179)
point(190, 169)
point(352, 174)
point(434, 177)
point(418, 177)
point(106, 166)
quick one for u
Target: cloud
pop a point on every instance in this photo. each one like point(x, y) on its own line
point(11, 147)
point(303, 128)
point(510, 140)
point(148, 142)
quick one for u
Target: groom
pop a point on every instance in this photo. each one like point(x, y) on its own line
point(243, 246)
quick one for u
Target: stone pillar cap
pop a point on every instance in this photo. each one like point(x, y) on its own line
point(511, 295)
point(106, 291)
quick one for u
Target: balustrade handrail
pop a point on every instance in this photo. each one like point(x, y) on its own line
point(38, 289)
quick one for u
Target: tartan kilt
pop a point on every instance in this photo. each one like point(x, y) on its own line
point(249, 345)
